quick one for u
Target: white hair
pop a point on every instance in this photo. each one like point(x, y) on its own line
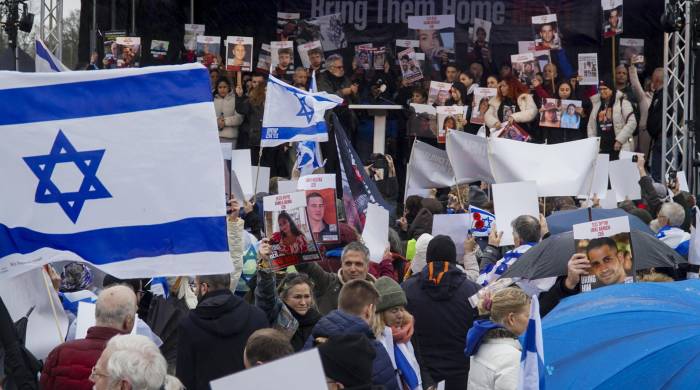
point(674, 212)
point(137, 360)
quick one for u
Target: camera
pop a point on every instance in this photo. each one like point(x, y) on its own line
point(635, 158)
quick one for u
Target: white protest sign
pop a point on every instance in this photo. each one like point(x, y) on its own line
point(610, 200)
point(286, 186)
point(376, 232)
point(624, 179)
point(240, 163)
point(456, 226)
point(269, 376)
point(599, 186)
point(263, 178)
point(510, 201)
point(694, 251)
point(237, 189)
point(26, 291)
point(226, 150)
point(680, 176)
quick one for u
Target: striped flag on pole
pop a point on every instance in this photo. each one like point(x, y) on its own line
point(45, 61)
point(532, 358)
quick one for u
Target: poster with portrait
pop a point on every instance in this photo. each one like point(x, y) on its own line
point(110, 47)
point(287, 227)
point(378, 58)
point(546, 32)
point(311, 54)
point(479, 36)
point(239, 54)
point(287, 25)
point(542, 56)
point(363, 55)
point(632, 52)
point(570, 112)
point(410, 68)
point(549, 113)
point(525, 67)
point(330, 31)
point(612, 17)
point(422, 121)
point(449, 118)
point(512, 131)
point(282, 54)
point(321, 207)
point(159, 49)
point(128, 52)
point(264, 58)
point(607, 245)
point(435, 35)
point(588, 68)
point(480, 104)
point(190, 41)
point(208, 50)
point(439, 93)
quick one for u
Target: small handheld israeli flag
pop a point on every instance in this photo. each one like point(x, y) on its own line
point(308, 157)
point(293, 115)
point(45, 61)
point(532, 358)
point(481, 221)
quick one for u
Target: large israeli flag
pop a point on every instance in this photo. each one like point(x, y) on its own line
point(118, 168)
point(292, 114)
point(45, 61)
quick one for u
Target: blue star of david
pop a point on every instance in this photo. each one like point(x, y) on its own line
point(305, 110)
point(87, 162)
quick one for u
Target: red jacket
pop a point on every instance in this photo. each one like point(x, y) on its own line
point(69, 365)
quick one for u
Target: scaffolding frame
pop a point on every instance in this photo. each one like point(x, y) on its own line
point(51, 26)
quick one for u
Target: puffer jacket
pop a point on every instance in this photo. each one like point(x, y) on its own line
point(226, 107)
point(337, 323)
point(528, 111)
point(624, 121)
point(69, 365)
point(496, 366)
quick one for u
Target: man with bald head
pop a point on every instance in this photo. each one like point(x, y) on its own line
point(70, 364)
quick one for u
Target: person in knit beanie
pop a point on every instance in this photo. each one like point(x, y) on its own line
point(441, 248)
point(347, 361)
point(393, 327)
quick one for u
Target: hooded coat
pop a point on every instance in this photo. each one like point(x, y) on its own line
point(438, 300)
point(213, 336)
point(339, 323)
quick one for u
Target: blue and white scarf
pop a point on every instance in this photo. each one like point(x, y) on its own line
point(494, 271)
point(676, 238)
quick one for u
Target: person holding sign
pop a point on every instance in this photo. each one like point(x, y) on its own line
point(290, 239)
point(227, 119)
point(514, 96)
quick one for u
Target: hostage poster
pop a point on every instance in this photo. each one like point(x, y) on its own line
point(320, 206)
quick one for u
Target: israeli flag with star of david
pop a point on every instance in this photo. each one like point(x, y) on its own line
point(117, 168)
point(292, 114)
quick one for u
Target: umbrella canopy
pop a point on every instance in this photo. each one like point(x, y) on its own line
point(640, 335)
point(563, 221)
point(550, 257)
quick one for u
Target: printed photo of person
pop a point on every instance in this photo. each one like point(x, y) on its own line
point(316, 209)
point(612, 22)
point(571, 114)
point(549, 114)
point(315, 58)
point(546, 32)
point(290, 239)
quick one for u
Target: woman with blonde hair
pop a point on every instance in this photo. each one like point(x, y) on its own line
point(492, 344)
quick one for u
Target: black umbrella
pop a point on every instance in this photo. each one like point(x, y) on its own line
point(550, 257)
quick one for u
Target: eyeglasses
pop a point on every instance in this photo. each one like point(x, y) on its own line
point(94, 374)
point(337, 66)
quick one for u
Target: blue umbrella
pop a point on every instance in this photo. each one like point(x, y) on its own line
point(641, 335)
point(563, 221)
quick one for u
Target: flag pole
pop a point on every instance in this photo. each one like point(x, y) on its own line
point(612, 40)
point(257, 174)
point(44, 275)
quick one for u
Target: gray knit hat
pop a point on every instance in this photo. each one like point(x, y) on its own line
point(390, 294)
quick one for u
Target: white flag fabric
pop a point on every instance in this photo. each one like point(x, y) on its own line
point(121, 169)
point(564, 169)
point(468, 155)
point(45, 61)
point(694, 253)
point(292, 114)
point(429, 167)
point(532, 356)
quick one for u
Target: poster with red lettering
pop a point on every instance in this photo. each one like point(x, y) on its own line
point(607, 246)
point(320, 206)
point(287, 228)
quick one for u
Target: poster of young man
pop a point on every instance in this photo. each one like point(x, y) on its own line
point(110, 46)
point(128, 52)
point(570, 113)
point(612, 17)
point(320, 206)
point(439, 93)
point(282, 53)
point(311, 55)
point(422, 121)
point(435, 34)
point(190, 41)
point(450, 118)
point(264, 58)
point(480, 104)
point(410, 69)
point(363, 56)
point(159, 49)
point(287, 25)
point(208, 49)
point(480, 36)
point(287, 228)
point(546, 32)
point(607, 247)
point(632, 52)
point(525, 67)
point(239, 54)
point(542, 56)
point(588, 68)
point(378, 58)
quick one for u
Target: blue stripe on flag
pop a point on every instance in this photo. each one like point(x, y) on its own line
point(286, 133)
point(44, 54)
point(104, 97)
point(108, 245)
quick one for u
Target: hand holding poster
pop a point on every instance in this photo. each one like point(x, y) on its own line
point(525, 67)
point(450, 118)
point(288, 230)
point(570, 112)
point(632, 52)
point(435, 36)
point(128, 52)
point(111, 48)
point(208, 49)
point(191, 33)
point(410, 68)
point(239, 54)
point(607, 246)
point(159, 49)
point(512, 131)
point(320, 206)
point(549, 113)
point(439, 93)
point(612, 17)
point(588, 68)
point(311, 55)
point(264, 58)
point(424, 122)
point(480, 104)
point(287, 25)
point(282, 54)
point(546, 32)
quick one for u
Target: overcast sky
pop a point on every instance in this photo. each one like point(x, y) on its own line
point(68, 6)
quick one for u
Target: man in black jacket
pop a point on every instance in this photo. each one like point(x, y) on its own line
point(438, 300)
point(213, 336)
